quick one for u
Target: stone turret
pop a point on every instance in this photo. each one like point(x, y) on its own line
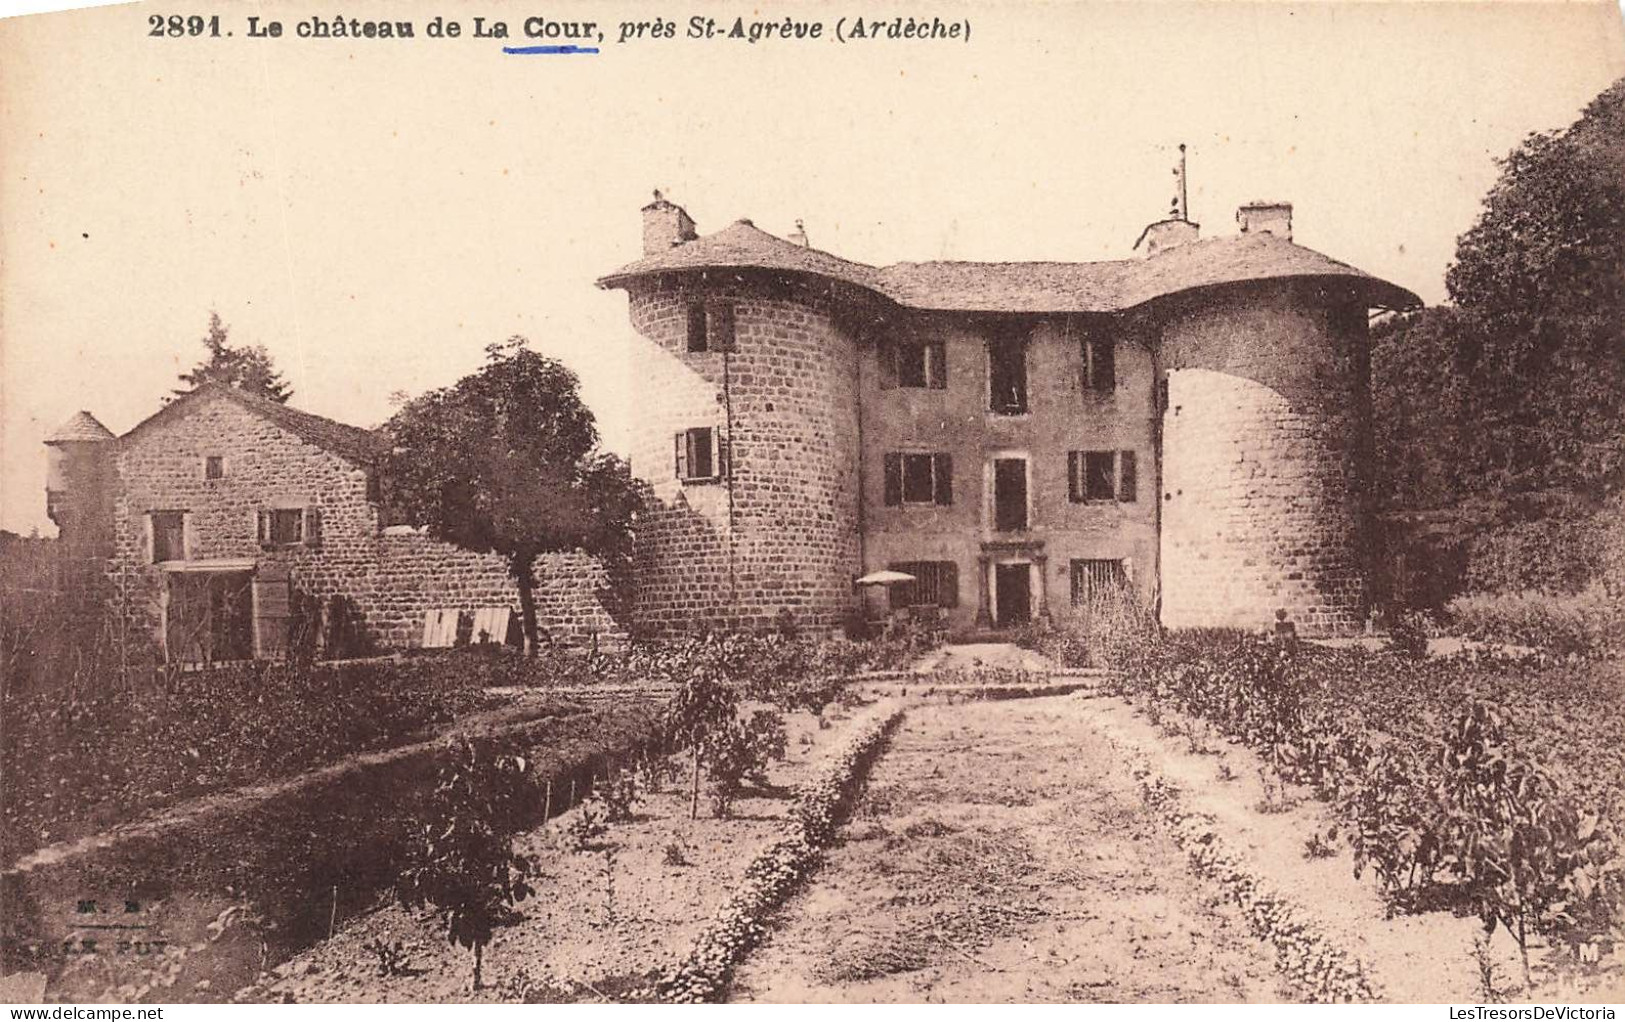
point(1266, 451)
point(77, 491)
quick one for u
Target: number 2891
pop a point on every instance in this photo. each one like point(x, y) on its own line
point(176, 26)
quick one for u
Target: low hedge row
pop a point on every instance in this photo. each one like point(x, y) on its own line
point(1322, 972)
point(819, 807)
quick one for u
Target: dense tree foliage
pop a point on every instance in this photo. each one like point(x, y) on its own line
point(249, 367)
point(507, 461)
point(1509, 404)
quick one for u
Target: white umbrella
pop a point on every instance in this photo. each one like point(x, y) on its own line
point(884, 577)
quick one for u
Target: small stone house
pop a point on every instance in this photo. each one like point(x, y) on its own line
point(1190, 424)
point(228, 526)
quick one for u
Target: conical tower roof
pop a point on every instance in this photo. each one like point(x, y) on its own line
point(82, 428)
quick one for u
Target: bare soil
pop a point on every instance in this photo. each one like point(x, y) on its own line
point(601, 921)
point(1001, 853)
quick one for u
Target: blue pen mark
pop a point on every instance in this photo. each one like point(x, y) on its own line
point(549, 49)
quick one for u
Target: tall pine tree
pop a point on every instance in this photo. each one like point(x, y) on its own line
point(248, 368)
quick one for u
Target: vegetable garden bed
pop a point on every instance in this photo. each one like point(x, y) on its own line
point(609, 913)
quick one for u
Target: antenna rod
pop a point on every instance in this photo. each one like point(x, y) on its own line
point(1184, 200)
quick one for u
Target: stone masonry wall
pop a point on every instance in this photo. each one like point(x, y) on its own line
point(1262, 441)
point(1064, 416)
point(392, 579)
point(780, 532)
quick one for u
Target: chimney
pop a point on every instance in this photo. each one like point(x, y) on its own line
point(799, 235)
point(665, 226)
point(1266, 218)
point(1166, 234)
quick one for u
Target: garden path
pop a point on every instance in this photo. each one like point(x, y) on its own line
point(999, 855)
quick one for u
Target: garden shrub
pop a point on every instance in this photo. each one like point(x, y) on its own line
point(1556, 553)
point(1114, 631)
point(1443, 806)
point(461, 859)
point(1588, 623)
point(1409, 633)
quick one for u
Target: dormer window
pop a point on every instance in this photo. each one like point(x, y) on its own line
point(710, 326)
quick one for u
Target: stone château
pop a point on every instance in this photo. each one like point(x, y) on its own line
point(1192, 424)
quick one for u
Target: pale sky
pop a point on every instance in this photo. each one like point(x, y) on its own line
point(375, 212)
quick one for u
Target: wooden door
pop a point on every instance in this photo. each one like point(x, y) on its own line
point(1014, 584)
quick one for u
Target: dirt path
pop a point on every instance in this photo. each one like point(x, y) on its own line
point(1000, 855)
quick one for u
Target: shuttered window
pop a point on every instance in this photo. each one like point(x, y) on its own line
point(290, 526)
point(1102, 476)
point(168, 536)
point(936, 583)
point(699, 455)
point(710, 326)
point(921, 365)
point(697, 340)
point(720, 325)
point(919, 479)
point(1007, 376)
point(1097, 580)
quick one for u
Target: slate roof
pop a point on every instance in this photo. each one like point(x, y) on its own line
point(352, 443)
point(744, 245)
point(1106, 286)
point(83, 426)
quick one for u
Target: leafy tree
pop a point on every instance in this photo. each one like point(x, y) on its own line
point(248, 368)
point(506, 461)
point(1508, 405)
point(1540, 282)
point(1418, 398)
point(706, 717)
point(462, 859)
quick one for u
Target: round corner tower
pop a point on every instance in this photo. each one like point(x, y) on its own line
point(1266, 441)
point(746, 428)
